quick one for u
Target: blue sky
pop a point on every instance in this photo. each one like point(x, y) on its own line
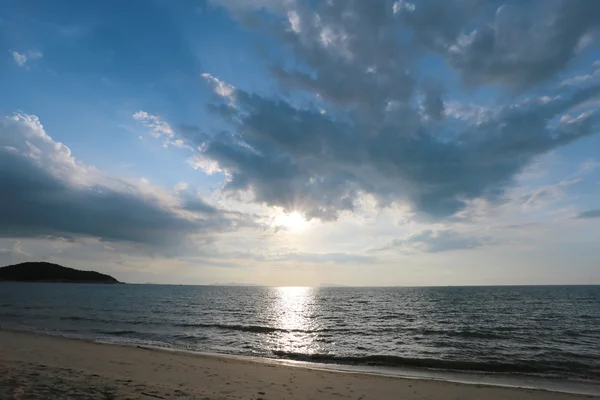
point(289, 142)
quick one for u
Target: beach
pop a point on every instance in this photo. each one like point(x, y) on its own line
point(34, 366)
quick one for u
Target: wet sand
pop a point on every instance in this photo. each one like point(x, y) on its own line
point(46, 367)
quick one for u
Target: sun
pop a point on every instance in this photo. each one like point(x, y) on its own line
point(293, 221)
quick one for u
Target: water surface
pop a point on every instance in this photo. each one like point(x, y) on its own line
point(550, 332)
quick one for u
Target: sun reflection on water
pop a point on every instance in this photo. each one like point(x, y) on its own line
point(294, 312)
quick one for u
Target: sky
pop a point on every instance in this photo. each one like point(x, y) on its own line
point(300, 143)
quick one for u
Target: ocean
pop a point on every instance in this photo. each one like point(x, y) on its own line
point(534, 336)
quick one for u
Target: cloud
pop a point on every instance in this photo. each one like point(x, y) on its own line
point(298, 257)
point(434, 241)
point(196, 203)
point(541, 197)
point(47, 192)
point(587, 166)
point(22, 58)
point(433, 103)
point(180, 187)
point(525, 44)
point(158, 127)
point(13, 254)
point(364, 118)
point(320, 258)
point(15, 250)
point(241, 7)
point(300, 159)
point(592, 76)
point(444, 240)
point(590, 214)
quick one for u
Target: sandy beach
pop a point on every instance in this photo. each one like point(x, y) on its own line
point(46, 367)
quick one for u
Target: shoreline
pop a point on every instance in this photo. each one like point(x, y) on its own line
point(64, 348)
point(462, 378)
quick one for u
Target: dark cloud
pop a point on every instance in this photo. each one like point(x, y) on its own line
point(304, 160)
point(196, 203)
point(517, 44)
point(433, 103)
point(355, 56)
point(45, 193)
point(377, 125)
point(437, 25)
point(589, 214)
point(526, 43)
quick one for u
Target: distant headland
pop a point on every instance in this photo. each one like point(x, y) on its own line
point(48, 272)
point(235, 284)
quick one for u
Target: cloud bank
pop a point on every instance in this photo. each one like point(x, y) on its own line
point(363, 114)
point(47, 192)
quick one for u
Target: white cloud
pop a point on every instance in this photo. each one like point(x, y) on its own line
point(294, 19)
point(435, 241)
point(19, 58)
point(588, 166)
point(25, 134)
point(220, 88)
point(585, 78)
point(160, 129)
point(16, 249)
point(541, 197)
point(22, 58)
point(181, 186)
point(157, 125)
point(204, 164)
point(403, 5)
point(584, 42)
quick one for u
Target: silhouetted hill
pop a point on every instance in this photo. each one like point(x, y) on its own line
point(48, 272)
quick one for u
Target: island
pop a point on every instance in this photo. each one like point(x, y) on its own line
point(48, 272)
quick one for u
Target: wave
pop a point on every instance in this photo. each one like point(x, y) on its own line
point(117, 332)
point(396, 316)
point(241, 328)
point(462, 334)
point(10, 315)
point(107, 321)
point(258, 328)
point(191, 338)
point(580, 333)
point(523, 367)
point(77, 318)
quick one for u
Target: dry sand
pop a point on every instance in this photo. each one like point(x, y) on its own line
point(45, 367)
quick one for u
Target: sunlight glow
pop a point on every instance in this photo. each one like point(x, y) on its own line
point(293, 221)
